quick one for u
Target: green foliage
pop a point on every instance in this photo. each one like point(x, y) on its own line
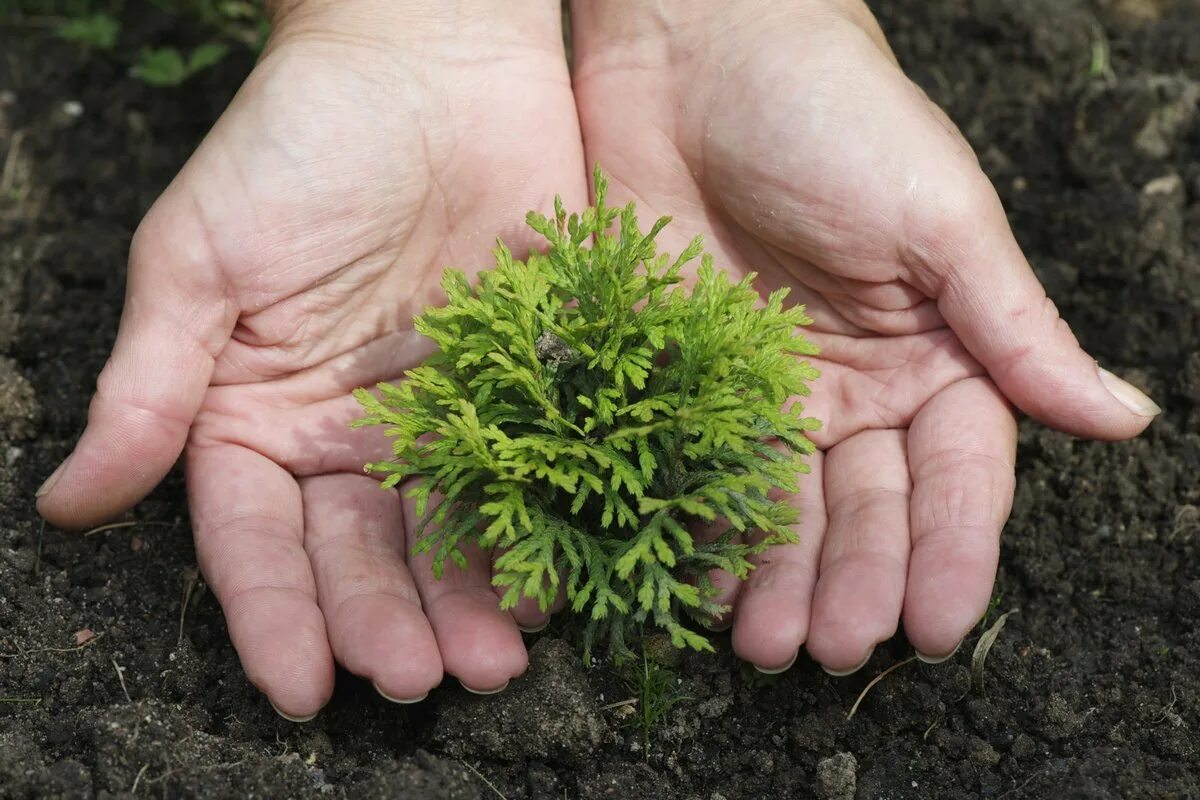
point(96, 25)
point(234, 21)
point(656, 689)
point(166, 66)
point(585, 412)
point(95, 31)
point(18, 9)
point(993, 604)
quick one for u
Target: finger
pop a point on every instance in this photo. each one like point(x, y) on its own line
point(864, 559)
point(528, 612)
point(965, 252)
point(175, 321)
point(354, 536)
point(248, 522)
point(775, 604)
point(479, 643)
point(962, 451)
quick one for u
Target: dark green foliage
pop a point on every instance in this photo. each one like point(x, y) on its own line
point(96, 31)
point(656, 690)
point(96, 26)
point(585, 413)
point(167, 66)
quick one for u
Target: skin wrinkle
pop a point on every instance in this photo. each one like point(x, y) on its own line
point(200, 305)
point(384, 357)
point(143, 409)
point(282, 349)
point(353, 539)
point(953, 512)
point(951, 533)
point(224, 287)
point(379, 568)
point(827, 320)
point(887, 415)
point(859, 548)
point(858, 501)
point(955, 457)
point(391, 594)
point(958, 506)
point(288, 571)
point(434, 33)
point(281, 232)
point(922, 365)
point(781, 249)
point(222, 428)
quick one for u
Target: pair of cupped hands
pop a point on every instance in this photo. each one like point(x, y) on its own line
point(378, 141)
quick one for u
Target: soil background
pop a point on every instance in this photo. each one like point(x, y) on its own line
point(1085, 116)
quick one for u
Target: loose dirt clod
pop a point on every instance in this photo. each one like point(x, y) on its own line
point(837, 777)
point(549, 712)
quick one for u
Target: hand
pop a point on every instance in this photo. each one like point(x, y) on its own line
point(790, 134)
point(374, 144)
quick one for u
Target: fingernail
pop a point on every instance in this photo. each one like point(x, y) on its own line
point(289, 717)
point(1129, 395)
point(404, 701)
point(720, 626)
point(778, 670)
point(938, 659)
point(48, 484)
point(538, 629)
point(843, 673)
point(497, 690)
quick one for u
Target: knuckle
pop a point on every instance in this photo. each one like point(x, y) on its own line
point(950, 226)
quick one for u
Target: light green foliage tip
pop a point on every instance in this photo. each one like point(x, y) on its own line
point(587, 414)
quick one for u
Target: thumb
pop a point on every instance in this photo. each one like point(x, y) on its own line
point(175, 321)
point(992, 300)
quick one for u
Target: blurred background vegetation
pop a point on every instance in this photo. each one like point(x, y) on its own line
point(212, 27)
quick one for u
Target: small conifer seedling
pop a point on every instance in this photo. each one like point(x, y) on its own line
point(586, 413)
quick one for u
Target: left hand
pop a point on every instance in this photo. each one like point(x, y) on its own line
point(789, 134)
point(374, 143)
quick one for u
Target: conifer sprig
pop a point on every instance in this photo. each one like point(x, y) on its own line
point(586, 412)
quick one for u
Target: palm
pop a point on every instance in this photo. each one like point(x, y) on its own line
point(347, 205)
point(750, 158)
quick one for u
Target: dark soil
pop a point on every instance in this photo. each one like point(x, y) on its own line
point(1083, 114)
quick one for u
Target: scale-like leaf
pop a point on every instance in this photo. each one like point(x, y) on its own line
point(587, 412)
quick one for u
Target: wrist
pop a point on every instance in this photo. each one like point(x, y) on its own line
point(416, 21)
point(693, 22)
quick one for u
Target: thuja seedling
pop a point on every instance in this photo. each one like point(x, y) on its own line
point(586, 413)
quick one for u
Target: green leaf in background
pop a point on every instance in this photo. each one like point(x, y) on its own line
point(205, 56)
point(161, 66)
point(166, 66)
point(96, 31)
point(239, 9)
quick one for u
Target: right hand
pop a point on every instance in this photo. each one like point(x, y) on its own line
point(789, 132)
point(374, 144)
